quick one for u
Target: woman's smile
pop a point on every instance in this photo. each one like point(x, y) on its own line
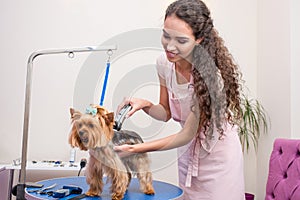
point(170, 54)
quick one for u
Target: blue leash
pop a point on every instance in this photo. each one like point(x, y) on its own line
point(105, 83)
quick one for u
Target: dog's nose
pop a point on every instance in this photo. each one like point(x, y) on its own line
point(81, 133)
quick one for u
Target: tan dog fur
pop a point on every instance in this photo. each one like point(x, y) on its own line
point(95, 134)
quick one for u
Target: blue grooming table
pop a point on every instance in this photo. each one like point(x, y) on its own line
point(163, 191)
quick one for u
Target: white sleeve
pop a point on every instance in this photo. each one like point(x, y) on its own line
point(163, 66)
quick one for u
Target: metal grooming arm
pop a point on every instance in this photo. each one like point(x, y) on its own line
point(22, 177)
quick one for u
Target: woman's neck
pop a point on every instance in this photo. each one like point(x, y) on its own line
point(183, 71)
point(183, 66)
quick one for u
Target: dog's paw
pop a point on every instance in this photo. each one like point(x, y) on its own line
point(149, 190)
point(92, 193)
point(117, 196)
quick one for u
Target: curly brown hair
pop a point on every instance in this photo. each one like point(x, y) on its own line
point(216, 76)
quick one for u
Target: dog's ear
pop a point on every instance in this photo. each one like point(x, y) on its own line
point(109, 118)
point(74, 139)
point(75, 114)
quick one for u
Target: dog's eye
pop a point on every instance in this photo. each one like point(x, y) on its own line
point(91, 125)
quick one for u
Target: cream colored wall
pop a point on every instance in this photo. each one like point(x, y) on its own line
point(277, 77)
point(237, 25)
point(262, 36)
point(32, 25)
point(295, 69)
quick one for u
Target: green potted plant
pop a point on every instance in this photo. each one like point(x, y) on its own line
point(254, 122)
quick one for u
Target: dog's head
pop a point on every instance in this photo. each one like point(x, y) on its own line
point(91, 129)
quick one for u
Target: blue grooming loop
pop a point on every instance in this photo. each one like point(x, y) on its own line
point(109, 53)
point(163, 191)
point(104, 83)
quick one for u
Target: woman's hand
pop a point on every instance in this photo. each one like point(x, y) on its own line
point(136, 104)
point(124, 150)
point(124, 147)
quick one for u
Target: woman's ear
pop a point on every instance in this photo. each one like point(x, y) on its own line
point(199, 40)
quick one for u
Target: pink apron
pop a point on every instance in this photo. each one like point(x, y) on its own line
point(208, 169)
point(180, 109)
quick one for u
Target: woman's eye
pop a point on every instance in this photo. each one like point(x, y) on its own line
point(166, 36)
point(182, 41)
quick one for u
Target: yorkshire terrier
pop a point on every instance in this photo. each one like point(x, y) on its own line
point(93, 131)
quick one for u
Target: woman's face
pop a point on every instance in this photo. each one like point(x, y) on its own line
point(178, 39)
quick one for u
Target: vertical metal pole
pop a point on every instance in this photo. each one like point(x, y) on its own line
point(22, 175)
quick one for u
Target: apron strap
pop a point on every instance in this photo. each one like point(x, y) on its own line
point(193, 166)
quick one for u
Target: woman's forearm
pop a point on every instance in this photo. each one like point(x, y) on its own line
point(160, 111)
point(173, 141)
point(157, 112)
point(184, 136)
point(169, 142)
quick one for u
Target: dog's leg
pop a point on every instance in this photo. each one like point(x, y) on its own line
point(119, 184)
point(117, 173)
point(144, 174)
point(145, 179)
point(129, 178)
point(94, 177)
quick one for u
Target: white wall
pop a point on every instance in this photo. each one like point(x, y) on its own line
point(278, 71)
point(37, 25)
point(295, 69)
point(258, 33)
point(238, 26)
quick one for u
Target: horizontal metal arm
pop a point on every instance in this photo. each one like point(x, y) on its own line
point(71, 50)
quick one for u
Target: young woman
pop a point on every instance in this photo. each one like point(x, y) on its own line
point(199, 88)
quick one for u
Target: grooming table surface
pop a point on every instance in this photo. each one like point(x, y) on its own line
point(163, 190)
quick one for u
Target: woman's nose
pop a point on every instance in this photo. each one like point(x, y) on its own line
point(171, 46)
